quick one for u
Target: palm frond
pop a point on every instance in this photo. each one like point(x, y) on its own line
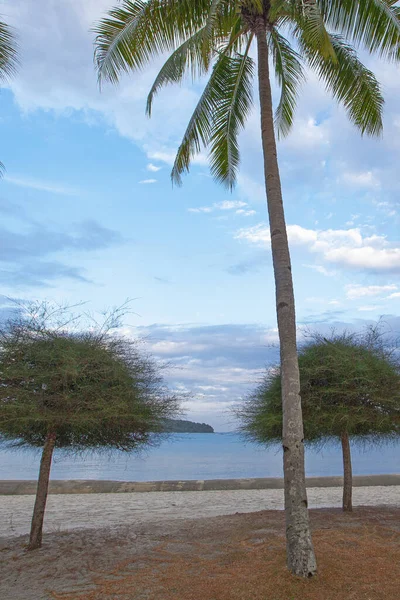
point(224, 26)
point(351, 84)
point(253, 6)
point(280, 9)
point(137, 30)
point(373, 23)
point(197, 134)
point(196, 53)
point(236, 84)
point(237, 38)
point(8, 52)
point(290, 75)
point(310, 23)
point(213, 16)
point(218, 117)
point(190, 55)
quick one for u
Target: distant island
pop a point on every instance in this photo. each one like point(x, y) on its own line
point(179, 426)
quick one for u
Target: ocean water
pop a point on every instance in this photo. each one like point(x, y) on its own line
point(196, 456)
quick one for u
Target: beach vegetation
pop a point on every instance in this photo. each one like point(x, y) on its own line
point(64, 387)
point(350, 390)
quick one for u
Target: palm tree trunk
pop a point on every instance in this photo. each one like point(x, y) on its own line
point(300, 553)
point(35, 539)
point(347, 473)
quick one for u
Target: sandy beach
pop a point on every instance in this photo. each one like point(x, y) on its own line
point(67, 512)
point(231, 557)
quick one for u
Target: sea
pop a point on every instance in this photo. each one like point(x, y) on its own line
point(196, 456)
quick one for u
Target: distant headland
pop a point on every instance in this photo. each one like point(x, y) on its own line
point(180, 426)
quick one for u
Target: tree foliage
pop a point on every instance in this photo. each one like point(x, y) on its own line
point(215, 36)
point(182, 426)
point(8, 52)
point(92, 389)
point(8, 58)
point(350, 383)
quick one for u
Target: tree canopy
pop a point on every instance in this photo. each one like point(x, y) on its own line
point(215, 36)
point(63, 387)
point(349, 383)
point(92, 389)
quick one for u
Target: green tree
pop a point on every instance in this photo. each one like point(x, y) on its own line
point(350, 388)
point(216, 36)
point(62, 388)
point(8, 58)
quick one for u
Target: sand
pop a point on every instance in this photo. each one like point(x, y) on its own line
point(233, 557)
point(91, 511)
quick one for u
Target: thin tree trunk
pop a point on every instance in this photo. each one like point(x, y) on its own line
point(300, 553)
point(35, 539)
point(347, 474)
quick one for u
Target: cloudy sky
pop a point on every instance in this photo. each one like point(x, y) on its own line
point(88, 211)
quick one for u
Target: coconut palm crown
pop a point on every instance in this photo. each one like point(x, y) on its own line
point(216, 36)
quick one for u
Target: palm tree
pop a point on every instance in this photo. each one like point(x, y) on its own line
point(216, 36)
point(8, 58)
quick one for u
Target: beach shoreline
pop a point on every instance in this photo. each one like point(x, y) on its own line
point(66, 512)
point(93, 486)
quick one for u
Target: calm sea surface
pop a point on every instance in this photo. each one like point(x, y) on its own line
point(196, 456)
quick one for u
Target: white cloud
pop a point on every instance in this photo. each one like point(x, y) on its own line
point(230, 204)
point(153, 168)
point(224, 205)
point(393, 296)
point(366, 258)
point(259, 234)
point(172, 348)
point(355, 291)
point(148, 181)
point(250, 189)
point(388, 208)
point(43, 186)
point(321, 269)
point(370, 308)
point(307, 134)
point(344, 247)
point(365, 179)
point(168, 155)
point(246, 213)
point(201, 209)
point(64, 80)
point(213, 388)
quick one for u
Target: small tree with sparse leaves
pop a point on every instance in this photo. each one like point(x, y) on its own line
point(62, 387)
point(350, 388)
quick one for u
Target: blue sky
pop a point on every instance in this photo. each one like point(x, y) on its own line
point(89, 213)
